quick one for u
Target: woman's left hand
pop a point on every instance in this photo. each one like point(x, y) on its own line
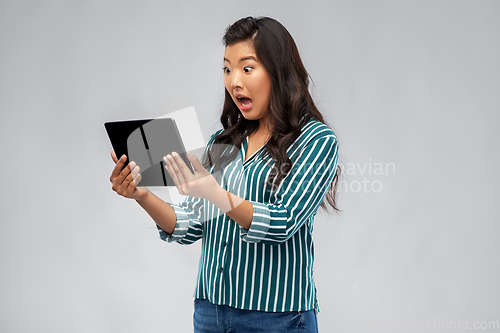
point(201, 184)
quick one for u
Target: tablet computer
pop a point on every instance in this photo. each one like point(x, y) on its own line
point(146, 142)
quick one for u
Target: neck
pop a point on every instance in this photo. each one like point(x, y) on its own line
point(263, 126)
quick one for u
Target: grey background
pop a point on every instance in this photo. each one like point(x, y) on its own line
point(409, 84)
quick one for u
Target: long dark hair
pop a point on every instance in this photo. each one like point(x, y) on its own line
point(290, 103)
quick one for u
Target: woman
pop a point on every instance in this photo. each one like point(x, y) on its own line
point(253, 199)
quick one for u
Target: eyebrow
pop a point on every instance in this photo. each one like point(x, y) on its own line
point(243, 59)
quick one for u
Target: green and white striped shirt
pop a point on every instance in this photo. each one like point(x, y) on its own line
point(268, 267)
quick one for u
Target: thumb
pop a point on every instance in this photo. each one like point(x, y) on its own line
point(195, 162)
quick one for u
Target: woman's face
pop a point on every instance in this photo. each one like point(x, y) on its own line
point(247, 81)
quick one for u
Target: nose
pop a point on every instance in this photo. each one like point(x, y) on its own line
point(236, 80)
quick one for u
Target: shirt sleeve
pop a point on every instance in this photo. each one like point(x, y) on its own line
point(299, 195)
point(190, 216)
point(189, 227)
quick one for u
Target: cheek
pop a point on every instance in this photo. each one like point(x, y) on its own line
point(264, 93)
point(263, 86)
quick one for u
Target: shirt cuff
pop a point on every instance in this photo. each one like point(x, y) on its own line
point(181, 227)
point(261, 222)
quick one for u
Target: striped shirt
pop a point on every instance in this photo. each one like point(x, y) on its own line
point(268, 267)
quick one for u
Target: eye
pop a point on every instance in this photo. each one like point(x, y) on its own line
point(226, 70)
point(247, 69)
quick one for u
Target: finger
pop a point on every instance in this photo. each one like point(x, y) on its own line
point(133, 174)
point(129, 191)
point(123, 188)
point(183, 168)
point(132, 186)
point(113, 156)
point(137, 179)
point(118, 180)
point(171, 171)
point(128, 169)
point(118, 168)
point(195, 162)
point(176, 166)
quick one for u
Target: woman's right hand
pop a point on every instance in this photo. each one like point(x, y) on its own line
point(125, 181)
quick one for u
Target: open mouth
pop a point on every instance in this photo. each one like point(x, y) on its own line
point(245, 103)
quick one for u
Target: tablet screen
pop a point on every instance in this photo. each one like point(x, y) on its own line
point(146, 142)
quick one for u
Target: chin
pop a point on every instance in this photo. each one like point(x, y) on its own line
point(248, 116)
point(251, 115)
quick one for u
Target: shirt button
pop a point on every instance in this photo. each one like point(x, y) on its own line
point(224, 243)
point(220, 269)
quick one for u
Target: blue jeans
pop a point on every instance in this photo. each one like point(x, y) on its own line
point(212, 318)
